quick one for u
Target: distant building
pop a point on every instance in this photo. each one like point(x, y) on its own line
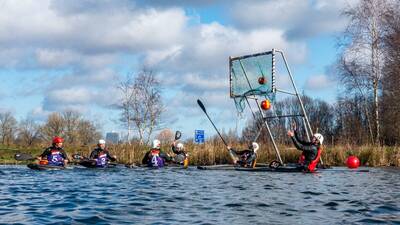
point(112, 137)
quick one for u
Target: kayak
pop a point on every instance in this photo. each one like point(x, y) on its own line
point(256, 169)
point(283, 169)
point(92, 164)
point(177, 162)
point(171, 165)
point(35, 166)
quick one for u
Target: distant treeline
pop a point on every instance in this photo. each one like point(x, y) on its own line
point(70, 125)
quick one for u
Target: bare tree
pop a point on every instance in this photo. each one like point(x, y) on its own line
point(362, 58)
point(7, 127)
point(54, 126)
point(125, 104)
point(147, 105)
point(166, 136)
point(141, 104)
point(391, 82)
point(71, 121)
point(87, 132)
point(28, 132)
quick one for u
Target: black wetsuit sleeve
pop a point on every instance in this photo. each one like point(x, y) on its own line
point(145, 159)
point(165, 156)
point(242, 152)
point(64, 154)
point(296, 134)
point(45, 153)
point(110, 157)
point(302, 147)
point(93, 154)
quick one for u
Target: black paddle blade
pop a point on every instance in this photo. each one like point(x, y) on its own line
point(178, 135)
point(201, 105)
point(23, 156)
point(77, 157)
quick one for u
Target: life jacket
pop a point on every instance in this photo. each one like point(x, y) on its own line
point(102, 160)
point(313, 164)
point(43, 162)
point(55, 158)
point(244, 158)
point(155, 159)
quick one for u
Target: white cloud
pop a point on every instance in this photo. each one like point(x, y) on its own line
point(38, 24)
point(80, 43)
point(38, 113)
point(56, 58)
point(318, 83)
point(299, 19)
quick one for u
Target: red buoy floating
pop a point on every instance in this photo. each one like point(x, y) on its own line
point(353, 162)
point(261, 80)
point(266, 104)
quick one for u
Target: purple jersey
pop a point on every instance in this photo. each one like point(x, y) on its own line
point(102, 160)
point(55, 158)
point(156, 160)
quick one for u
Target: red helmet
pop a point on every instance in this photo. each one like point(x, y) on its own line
point(57, 139)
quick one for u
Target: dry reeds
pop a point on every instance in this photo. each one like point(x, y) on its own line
point(214, 152)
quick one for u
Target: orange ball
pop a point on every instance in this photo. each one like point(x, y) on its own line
point(261, 80)
point(266, 104)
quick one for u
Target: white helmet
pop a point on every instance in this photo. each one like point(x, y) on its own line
point(255, 146)
point(180, 146)
point(156, 144)
point(102, 142)
point(319, 137)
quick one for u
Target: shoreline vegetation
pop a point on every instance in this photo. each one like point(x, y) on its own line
point(212, 153)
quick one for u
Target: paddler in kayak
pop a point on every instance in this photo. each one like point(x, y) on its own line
point(311, 151)
point(155, 157)
point(181, 156)
point(55, 154)
point(245, 158)
point(100, 155)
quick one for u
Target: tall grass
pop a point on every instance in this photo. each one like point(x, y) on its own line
point(211, 153)
point(214, 152)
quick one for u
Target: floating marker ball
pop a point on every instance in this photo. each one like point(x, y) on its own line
point(261, 80)
point(266, 104)
point(353, 162)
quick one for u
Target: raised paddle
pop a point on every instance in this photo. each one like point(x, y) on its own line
point(178, 135)
point(205, 112)
point(23, 157)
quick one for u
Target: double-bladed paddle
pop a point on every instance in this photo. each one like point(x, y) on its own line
point(23, 157)
point(205, 112)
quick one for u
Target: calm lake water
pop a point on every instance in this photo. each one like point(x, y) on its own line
point(172, 196)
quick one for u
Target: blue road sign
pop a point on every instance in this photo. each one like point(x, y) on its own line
point(199, 136)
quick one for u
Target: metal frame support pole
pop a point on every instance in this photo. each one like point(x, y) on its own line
point(262, 114)
point(270, 135)
point(309, 130)
point(273, 72)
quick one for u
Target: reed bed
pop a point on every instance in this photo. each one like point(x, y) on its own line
point(214, 152)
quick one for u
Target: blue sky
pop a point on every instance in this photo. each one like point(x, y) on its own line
point(57, 55)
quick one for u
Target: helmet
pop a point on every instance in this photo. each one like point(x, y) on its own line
point(156, 143)
point(255, 146)
point(102, 142)
point(179, 146)
point(57, 139)
point(319, 137)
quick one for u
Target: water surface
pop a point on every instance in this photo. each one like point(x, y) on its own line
point(172, 196)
